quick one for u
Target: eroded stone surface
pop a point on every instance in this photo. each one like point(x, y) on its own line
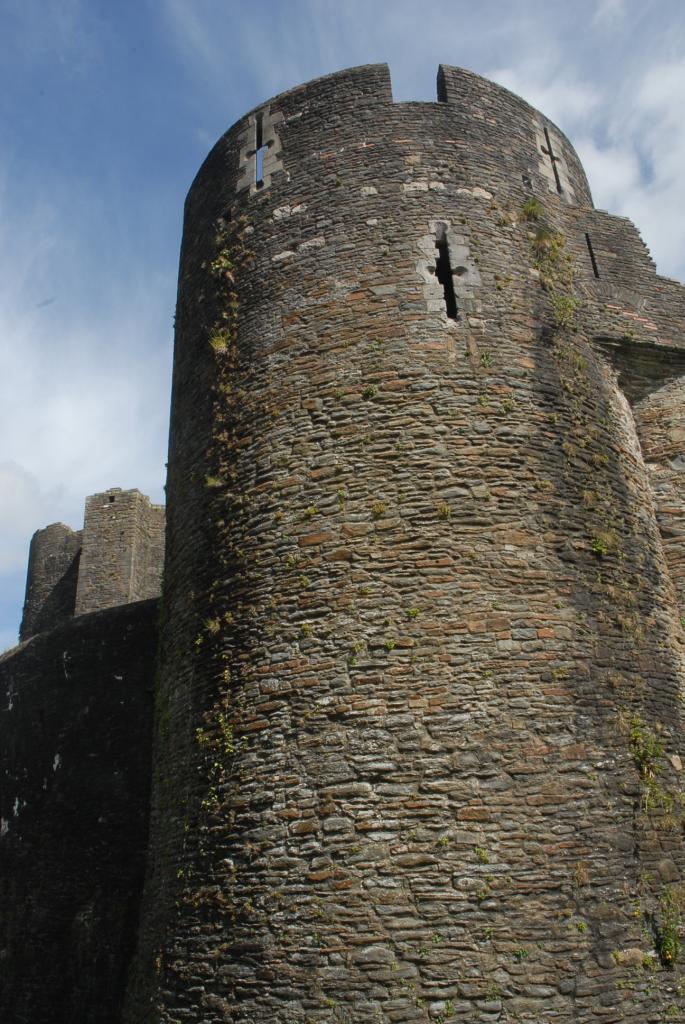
point(422, 629)
point(75, 738)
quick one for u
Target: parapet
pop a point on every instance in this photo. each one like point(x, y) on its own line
point(348, 126)
point(116, 559)
point(417, 583)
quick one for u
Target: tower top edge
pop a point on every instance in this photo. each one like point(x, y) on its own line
point(450, 75)
point(349, 91)
point(377, 78)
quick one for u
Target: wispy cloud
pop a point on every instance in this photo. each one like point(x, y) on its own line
point(87, 279)
point(620, 103)
point(608, 12)
point(63, 29)
point(85, 386)
point(563, 96)
point(635, 162)
point(23, 501)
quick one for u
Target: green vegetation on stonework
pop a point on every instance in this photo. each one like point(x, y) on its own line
point(217, 735)
point(532, 210)
point(220, 340)
point(564, 310)
point(213, 481)
point(222, 266)
point(214, 736)
point(556, 274)
point(602, 543)
point(670, 924)
point(646, 748)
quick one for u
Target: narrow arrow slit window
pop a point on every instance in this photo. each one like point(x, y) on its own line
point(553, 160)
point(260, 151)
point(592, 255)
point(443, 272)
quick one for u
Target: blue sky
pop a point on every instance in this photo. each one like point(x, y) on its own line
point(108, 109)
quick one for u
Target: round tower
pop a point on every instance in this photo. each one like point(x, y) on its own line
point(418, 708)
point(51, 579)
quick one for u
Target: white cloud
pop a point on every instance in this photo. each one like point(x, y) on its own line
point(564, 98)
point(195, 41)
point(608, 12)
point(83, 400)
point(85, 341)
point(636, 170)
point(24, 503)
point(630, 136)
point(613, 172)
point(84, 390)
point(64, 29)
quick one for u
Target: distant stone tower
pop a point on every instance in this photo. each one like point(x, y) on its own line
point(114, 560)
point(419, 704)
point(75, 739)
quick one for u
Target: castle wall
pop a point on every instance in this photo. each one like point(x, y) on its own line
point(123, 550)
point(75, 731)
point(149, 554)
point(51, 579)
point(419, 712)
point(660, 421)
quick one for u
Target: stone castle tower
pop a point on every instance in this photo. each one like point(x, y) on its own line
point(418, 700)
point(115, 559)
point(424, 549)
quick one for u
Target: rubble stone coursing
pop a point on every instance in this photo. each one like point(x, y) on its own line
point(123, 550)
point(419, 707)
point(116, 559)
point(75, 711)
point(51, 579)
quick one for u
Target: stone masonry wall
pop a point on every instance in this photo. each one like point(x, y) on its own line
point(149, 548)
point(122, 556)
point(51, 579)
point(419, 726)
point(660, 419)
point(75, 731)
point(117, 558)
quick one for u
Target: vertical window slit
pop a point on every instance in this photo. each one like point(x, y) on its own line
point(443, 272)
point(595, 271)
point(553, 159)
point(260, 150)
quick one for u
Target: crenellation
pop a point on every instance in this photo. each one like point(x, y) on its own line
point(418, 730)
point(421, 601)
point(116, 559)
